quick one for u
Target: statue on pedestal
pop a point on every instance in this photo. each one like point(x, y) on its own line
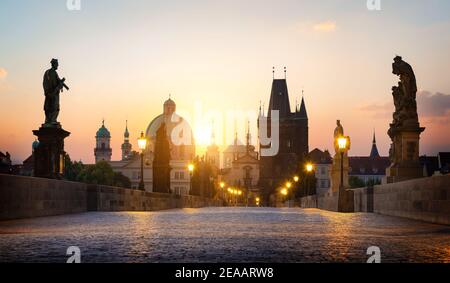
point(336, 167)
point(405, 129)
point(53, 85)
point(49, 155)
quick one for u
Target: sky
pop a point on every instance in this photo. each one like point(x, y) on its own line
point(122, 59)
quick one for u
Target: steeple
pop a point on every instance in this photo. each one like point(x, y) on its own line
point(126, 146)
point(374, 151)
point(302, 112)
point(126, 135)
point(248, 137)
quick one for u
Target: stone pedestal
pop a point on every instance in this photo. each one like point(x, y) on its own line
point(404, 154)
point(49, 155)
point(336, 172)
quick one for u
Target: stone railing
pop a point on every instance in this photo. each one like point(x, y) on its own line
point(24, 197)
point(426, 199)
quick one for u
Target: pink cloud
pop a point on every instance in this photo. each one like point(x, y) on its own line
point(3, 73)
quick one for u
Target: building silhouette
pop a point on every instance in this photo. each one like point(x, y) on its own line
point(293, 140)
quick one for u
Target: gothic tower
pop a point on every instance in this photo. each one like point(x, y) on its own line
point(161, 162)
point(293, 140)
point(126, 146)
point(103, 149)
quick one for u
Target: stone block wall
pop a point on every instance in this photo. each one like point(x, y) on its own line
point(426, 199)
point(24, 197)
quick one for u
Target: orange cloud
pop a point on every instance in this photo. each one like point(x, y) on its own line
point(328, 26)
point(3, 73)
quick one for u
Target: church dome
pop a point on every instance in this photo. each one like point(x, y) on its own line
point(103, 132)
point(182, 150)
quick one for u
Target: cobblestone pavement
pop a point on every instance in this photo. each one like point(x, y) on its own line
point(223, 235)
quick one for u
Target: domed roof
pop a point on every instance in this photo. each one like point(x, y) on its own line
point(103, 132)
point(156, 123)
point(169, 102)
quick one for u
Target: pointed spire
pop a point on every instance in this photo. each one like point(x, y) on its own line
point(103, 122)
point(273, 72)
point(126, 133)
point(213, 134)
point(259, 115)
point(284, 72)
point(248, 137)
point(302, 112)
point(374, 151)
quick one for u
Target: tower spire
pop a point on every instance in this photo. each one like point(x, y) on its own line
point(284, 72)
point(374, 151)
point(213, 134)
point(273, 72)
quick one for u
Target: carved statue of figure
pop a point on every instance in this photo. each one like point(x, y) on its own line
point(404, 95)
point(53, 85)
point(338, 132)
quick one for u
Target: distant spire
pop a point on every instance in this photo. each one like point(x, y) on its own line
point(273, 72)
point(213, 134)
point(374, 151)
point(259, 108)
point(126, 134)
point(284, 72)
point(103, 122)
point(248, 137)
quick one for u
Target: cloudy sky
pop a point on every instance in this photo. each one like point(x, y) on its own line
point(123, 58)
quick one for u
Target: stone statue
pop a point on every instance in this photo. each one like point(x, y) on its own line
point(404, 96)
point(404, 130)
point(53, 85)
point(338, 132)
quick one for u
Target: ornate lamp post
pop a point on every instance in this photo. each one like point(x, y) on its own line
point(191, 168)
point(309, 168)
point(142, 143)
point(342, 143)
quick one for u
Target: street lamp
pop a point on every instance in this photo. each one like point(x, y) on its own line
point(309, 168)
point(191, 168)
point(142, 143)
point(342, 144)
point(288, 185)
point(296, 179)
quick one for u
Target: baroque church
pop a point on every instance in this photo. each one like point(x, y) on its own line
point(180, 149)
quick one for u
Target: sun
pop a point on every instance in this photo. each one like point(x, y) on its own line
point(202, 135)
